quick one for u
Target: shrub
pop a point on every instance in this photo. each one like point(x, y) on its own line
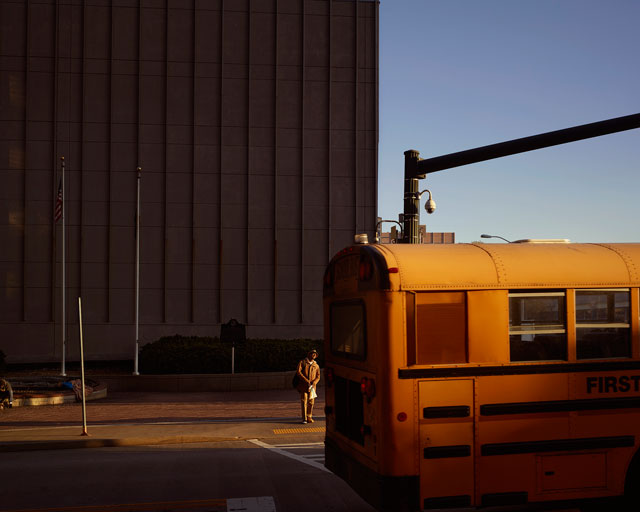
point(181, 354)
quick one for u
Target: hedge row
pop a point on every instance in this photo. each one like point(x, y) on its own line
point(180, 354)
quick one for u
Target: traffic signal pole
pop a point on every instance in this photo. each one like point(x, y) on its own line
point(411, 197)
point(416, 168)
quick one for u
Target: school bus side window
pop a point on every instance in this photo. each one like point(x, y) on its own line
point(603, 328)
point(348, 329)
point(441, 334)
point(537, 326)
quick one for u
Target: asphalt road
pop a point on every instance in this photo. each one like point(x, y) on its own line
point(281, 474)
point(257, 458)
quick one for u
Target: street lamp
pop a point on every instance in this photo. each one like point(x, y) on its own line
point(379, 226)
point(495, 236)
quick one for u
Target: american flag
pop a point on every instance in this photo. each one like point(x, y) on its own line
point(57, 213)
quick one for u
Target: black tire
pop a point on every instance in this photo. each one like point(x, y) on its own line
point(631, 500)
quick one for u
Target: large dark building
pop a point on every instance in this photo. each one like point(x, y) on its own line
point(255, 123)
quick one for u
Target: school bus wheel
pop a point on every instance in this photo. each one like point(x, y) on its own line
point(632, 485)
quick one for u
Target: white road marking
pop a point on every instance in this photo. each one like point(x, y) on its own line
point(300, 458)
point(261, 504)
point(284, 446)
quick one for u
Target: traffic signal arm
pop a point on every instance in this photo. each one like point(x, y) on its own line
point(512, 147)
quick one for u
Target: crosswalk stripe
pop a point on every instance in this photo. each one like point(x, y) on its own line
point(299, 458)
point(261, 504)
point(299, 445)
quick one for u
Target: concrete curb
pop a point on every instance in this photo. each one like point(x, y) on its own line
point(87, 442)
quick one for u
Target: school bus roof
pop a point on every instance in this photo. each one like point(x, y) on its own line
point(515, 265)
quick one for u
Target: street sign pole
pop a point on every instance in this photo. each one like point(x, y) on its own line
point(84, 398)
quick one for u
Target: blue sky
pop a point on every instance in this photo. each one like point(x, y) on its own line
point(458, 74)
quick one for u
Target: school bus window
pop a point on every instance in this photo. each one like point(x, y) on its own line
point(537, 326)
point(603, 327)
point(348, 329)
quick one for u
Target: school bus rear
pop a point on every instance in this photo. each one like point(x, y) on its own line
point(433, 400)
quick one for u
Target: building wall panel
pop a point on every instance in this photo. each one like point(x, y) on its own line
point(255, 124)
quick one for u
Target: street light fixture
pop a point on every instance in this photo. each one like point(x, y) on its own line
point(495, 236)
point(379, 225)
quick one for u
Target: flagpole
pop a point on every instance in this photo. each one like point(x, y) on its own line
point(64, 285)
point(135, 364)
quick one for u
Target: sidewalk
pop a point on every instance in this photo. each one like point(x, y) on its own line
point(147, 418)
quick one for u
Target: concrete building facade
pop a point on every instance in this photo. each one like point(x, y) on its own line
point(255, 123)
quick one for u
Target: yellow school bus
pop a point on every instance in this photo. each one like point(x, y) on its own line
point(478, 375)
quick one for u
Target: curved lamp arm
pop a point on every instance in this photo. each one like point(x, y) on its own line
point(495, 236)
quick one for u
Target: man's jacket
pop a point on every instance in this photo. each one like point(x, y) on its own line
point(309, 373)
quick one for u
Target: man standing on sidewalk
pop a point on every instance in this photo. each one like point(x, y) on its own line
point(308, 377)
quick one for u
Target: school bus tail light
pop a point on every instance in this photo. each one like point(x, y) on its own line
point(368, 388)
point(328, 372)
point(402, 416)
point(365, 270)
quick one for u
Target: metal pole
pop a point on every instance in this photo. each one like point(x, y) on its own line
point(534, 142)
point(411, 197)
point(63, 371)
point(416, 168)
point(84, 400)
point(135, 364)
point(233, 358)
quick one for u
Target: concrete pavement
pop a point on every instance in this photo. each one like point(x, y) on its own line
point(148, 418)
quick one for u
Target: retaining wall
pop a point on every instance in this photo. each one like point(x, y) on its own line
point(198, 382)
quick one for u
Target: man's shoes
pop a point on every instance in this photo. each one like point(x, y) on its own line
point(304, 421)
